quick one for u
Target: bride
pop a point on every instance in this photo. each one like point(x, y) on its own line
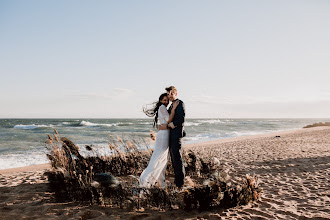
point(154, 174)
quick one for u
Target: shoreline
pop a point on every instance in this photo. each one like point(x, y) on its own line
point(292, 171)
point(30, 168)
point(20, 151)
point(256, 136)
point(44, 166)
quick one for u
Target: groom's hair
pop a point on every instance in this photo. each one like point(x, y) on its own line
point(171, 88)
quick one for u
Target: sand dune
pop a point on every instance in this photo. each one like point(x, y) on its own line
point(293, 169)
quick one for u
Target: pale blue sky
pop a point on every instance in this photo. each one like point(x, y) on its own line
point(106, 59)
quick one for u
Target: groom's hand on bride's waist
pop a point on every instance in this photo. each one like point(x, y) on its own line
point(162, 127)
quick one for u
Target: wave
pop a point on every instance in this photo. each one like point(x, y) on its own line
point(91, 124)
point(66, 124)
point(211, 121)
point(206, 121)
point(191, 123)
point(202, 137)
point(243, 133)
point(124, 123)
point(146, 123)
point(30, 127)
point(214, 136)
point(22, 159)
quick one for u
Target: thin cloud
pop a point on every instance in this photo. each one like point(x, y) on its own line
point(114, 94)
point(93, 95)
point(122, 91)
point(209, 99)
point(247, 100)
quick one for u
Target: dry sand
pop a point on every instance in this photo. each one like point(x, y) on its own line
point(293, 169)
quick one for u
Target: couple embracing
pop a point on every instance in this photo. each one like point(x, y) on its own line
point(168, 140)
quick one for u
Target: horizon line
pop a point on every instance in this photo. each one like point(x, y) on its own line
point(186, 118)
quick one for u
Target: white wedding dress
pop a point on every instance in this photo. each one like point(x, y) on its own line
point(154, 174)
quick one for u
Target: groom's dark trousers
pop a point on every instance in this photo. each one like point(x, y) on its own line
point(176, 135)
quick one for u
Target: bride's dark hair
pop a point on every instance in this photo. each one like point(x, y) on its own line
point(153, 111)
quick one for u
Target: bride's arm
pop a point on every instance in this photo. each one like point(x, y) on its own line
point(162, 112)
point(175, 104)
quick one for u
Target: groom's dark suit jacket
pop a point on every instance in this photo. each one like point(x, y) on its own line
point(175, 144)
point(178, 120)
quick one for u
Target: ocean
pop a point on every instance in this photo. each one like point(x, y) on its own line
point(22, 141)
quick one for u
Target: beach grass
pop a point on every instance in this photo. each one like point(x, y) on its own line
point(292, 169)
point(317, 124)
point(113, 180)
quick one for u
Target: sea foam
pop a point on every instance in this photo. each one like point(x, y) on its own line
point(210, 121)
point(91, 124)
point(22, 159)
point(30, 127)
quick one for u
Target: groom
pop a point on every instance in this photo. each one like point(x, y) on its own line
point(176, 134)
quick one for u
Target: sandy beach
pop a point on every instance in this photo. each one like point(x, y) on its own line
point(293, 168)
